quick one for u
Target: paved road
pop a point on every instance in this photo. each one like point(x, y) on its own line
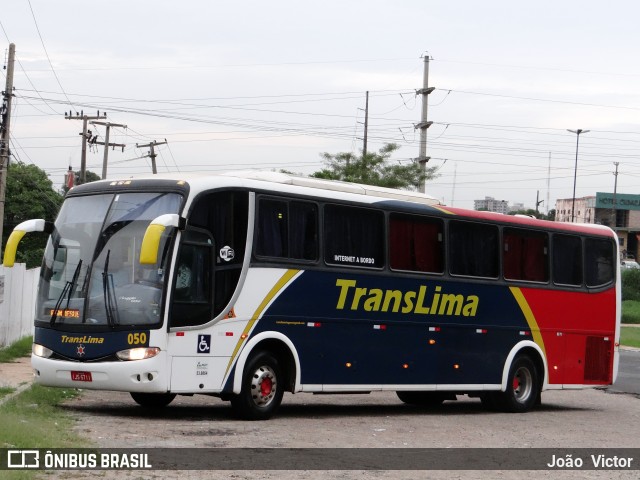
point(589, 418)
point(628, 380)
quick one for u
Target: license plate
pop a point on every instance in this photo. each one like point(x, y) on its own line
point(81, 376)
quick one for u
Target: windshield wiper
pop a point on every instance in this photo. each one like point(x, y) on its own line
point(110, 304)
point(68, 289)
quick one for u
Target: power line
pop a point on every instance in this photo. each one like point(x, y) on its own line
point(47, 54)
point(486, 94)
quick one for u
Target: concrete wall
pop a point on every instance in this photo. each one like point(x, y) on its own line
point(17, 302)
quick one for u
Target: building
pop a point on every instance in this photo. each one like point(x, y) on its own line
point(516, 207)
point(619, 211)
point(490, 204)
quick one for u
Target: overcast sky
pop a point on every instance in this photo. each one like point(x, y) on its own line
point(258, 84)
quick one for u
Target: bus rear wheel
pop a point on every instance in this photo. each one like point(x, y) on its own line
point(523, 387)
point(262, 388)
point(153, 400)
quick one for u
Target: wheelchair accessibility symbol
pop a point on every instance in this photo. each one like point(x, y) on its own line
point(204, 343)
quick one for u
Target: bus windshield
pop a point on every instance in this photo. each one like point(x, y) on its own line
point(91, 274)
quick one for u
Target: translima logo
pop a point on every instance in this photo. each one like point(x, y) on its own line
point(421, 301)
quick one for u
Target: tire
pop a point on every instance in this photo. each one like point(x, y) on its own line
point(153, 400)
point(424, 399)
point(262, 388)
point(523, 387)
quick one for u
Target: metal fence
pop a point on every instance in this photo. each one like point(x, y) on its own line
point(17, 302)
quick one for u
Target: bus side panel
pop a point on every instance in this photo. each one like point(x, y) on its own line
point(353, 329)
point(578, 330)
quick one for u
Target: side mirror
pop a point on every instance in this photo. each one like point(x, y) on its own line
point(151, 239)
point(37, 225)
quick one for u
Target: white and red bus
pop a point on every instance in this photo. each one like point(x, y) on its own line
point(247, 285)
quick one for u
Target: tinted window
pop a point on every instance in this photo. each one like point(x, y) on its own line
point(525, 255)
point(473, 249)
point(599, 259)
point(225, 216)
point(192, 282)
point(415, 243)
point(272, 229)
point(353, 236)
point(567, 260)
point(287, 229)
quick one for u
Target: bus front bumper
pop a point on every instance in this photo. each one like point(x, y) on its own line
point(148, 375)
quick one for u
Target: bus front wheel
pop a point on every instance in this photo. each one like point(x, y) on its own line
point(262, 388)
point(153, 400)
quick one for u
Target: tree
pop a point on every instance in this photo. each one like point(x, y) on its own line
point(532, 213)
point(89, 175)
point(374, 169)
point(29, 195)
point(551, 215)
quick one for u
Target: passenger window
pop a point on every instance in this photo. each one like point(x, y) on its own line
point(567, 260)
point(599, 258)
point(353, 236)
point(416, 243)
point(473, 249)
point(287, 229)
point(525, 255)
point(272, 229)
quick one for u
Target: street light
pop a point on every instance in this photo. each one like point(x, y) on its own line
point(575, 172)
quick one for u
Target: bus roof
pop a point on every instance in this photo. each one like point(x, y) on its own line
point(527, 221)
point(258, 179)
point(336, 186)
point(246, 177)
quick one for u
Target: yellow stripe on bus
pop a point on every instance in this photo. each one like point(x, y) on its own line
point(528, 315)
point(442, 209)
point(286, 278)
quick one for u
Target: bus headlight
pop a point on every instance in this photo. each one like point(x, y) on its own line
point(41, 351)
point(138, 353)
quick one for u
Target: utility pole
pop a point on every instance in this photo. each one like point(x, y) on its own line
point(366, 125)
point(107, 144)
point(614, 224)
point(538, 201)
point(85, 136)
point(424, 123)
point(152, 154)
point(453, 188)
point(5, 151)
point(575, 172)
point(548, 183)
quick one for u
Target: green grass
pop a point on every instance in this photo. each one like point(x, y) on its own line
point(631, 312)
point(630, 337)
point(34, 419)
point(21, 348)
point(5, 391)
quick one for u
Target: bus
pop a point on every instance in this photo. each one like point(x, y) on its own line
point(247, 285)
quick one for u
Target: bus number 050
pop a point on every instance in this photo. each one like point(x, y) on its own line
point(137, 338)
